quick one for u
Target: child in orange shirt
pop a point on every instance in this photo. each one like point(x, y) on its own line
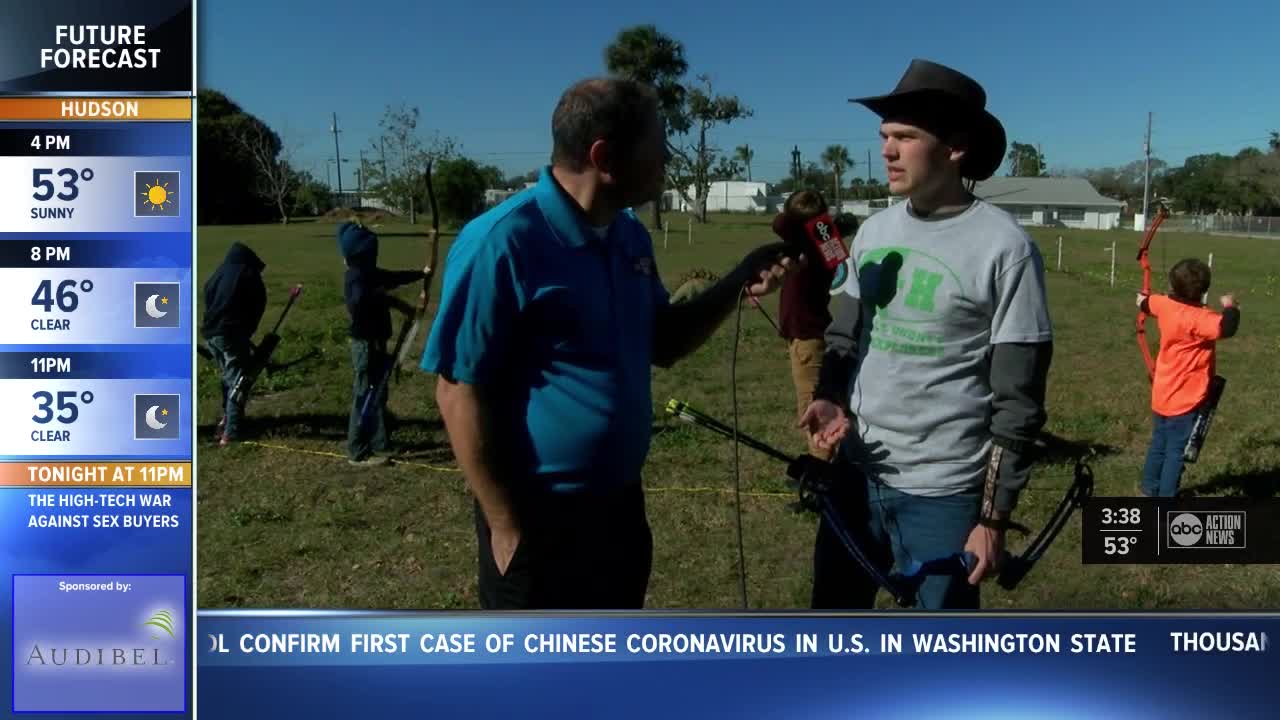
point(1184, 367)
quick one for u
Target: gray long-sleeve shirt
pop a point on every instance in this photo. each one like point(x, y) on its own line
point(939, 347)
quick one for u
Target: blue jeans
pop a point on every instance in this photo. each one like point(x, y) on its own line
point(1163, 471)
point(369, 362)
point(233, 356)
point(894, 529)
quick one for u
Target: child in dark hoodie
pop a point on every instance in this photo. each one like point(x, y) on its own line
point(365, 287)
point(234, 300)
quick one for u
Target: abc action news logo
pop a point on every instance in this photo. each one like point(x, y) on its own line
point(1207, 529)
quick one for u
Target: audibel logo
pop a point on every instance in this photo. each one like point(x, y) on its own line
point(99, 643)
point(1207, 529)
point(163, 620)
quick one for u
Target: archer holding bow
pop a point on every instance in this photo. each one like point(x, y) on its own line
point(933, 378)
point(1182, 384)
point(365, 289)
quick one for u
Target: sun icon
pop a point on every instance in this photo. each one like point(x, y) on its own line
point(158, 196)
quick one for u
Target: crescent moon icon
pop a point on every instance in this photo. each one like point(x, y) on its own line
point(154, 311)
point(152, 422)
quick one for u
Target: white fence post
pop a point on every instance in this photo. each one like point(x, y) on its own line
point(1059, 253)
point(1205, 297)
point(1113, 263)
point(666, 230)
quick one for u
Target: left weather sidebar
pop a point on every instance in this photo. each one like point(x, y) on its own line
point(96, 356)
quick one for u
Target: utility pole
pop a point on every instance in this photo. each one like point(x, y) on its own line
point(795, 166)
point(336, 152)
point(1146, 176)
point(360, 177)
point(868, 166)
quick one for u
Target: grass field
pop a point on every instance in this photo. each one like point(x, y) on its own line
point(283, 521)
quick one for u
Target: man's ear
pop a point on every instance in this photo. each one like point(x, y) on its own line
point(601, 157)
point(958, 147)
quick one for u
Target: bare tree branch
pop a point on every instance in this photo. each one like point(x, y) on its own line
point(276, 179)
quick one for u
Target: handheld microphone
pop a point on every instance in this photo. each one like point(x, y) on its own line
point(818, 237)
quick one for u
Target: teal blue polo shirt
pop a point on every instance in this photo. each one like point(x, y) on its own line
point(557, 322)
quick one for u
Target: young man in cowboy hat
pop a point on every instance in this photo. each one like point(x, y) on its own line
point(933, 378)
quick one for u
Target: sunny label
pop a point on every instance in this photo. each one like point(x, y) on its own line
point(52, 213)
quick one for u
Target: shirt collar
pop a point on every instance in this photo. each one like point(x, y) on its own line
point(568, 222)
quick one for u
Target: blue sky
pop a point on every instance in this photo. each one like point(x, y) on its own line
point(1077, 78)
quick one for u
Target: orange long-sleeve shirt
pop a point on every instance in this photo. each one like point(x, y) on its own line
point(1185, 365)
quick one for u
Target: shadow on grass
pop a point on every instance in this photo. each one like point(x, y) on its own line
point(1255, 484)
point(334, 427)
point(1060, 450)
point(444, 234)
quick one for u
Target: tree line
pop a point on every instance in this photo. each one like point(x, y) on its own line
point(1247, 183)
point(248, 173)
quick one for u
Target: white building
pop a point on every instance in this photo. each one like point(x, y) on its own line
point(731, 196)
point(867, 208)
point(496, 196)
point(1052, 201)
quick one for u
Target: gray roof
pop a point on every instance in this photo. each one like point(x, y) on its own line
point(1059, 191)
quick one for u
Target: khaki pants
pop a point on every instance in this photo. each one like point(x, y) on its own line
point(806, 362)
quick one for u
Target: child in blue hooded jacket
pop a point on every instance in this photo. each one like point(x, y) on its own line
point(365, 289)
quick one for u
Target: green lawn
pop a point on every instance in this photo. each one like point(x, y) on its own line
point(285, 522)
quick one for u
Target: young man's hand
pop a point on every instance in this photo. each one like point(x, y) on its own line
point(1227, 301)
point(826, 424)
point(987, 545)
point(1141, 299)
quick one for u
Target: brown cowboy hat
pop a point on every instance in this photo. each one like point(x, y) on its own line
point(952, 100)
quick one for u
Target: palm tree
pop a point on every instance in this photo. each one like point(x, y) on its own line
point(644, 54)
point(837, 157)
point(744, 155)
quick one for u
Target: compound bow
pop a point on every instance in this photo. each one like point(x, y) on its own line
point(813, 481)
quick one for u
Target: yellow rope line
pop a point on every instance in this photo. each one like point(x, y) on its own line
point(676, 488)
point(437, 468)
point(322, 453)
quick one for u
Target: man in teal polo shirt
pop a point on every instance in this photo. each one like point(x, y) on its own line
point(551, 315)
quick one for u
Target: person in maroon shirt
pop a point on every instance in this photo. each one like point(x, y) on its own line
point(803, 315)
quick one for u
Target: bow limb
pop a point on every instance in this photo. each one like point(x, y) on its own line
point(433, 257)
point(814, 484)
point(435, 240)
point(1016, 567)
point(1144, 261)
